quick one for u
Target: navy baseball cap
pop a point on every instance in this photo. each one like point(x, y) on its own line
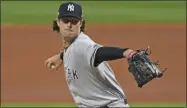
point(70, 9)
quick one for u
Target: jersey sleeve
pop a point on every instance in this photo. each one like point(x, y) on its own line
point(88, 49)
point(90, 54)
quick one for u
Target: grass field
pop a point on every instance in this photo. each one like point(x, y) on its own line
point(43, 12)
point(73, 105)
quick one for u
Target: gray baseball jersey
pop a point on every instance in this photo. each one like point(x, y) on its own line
point(89, 86)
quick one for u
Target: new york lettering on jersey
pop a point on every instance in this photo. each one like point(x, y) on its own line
point(71, 74)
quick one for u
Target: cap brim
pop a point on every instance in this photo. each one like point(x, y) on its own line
point(69, 15)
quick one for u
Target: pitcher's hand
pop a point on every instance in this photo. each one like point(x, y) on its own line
point(54, 62)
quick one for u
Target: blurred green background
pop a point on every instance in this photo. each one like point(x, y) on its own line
point(40, 12)
point(96, 12)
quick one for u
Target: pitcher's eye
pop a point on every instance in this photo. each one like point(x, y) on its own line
point(74, 21)
point(65, 20)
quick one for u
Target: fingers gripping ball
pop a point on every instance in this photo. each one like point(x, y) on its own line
point(53, 66)
point(142, 68)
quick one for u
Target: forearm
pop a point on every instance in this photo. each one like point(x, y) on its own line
point(110, 53)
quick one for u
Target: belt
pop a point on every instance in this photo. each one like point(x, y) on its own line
point(125, 101)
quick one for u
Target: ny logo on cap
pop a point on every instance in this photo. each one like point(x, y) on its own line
point(70, 7)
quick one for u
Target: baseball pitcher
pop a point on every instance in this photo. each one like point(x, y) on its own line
point(90, 79)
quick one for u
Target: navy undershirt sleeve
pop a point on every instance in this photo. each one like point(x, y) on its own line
point(108, 53)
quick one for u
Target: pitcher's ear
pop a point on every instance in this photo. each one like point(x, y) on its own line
point(83, 23)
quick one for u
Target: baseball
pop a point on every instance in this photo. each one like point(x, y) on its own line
point(52, 66)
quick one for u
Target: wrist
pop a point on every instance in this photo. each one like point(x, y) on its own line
point(61, 55)
point(128, 53)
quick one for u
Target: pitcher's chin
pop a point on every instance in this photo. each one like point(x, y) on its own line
point(69, 39)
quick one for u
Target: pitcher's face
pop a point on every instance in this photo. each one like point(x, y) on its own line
point(69, 27)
